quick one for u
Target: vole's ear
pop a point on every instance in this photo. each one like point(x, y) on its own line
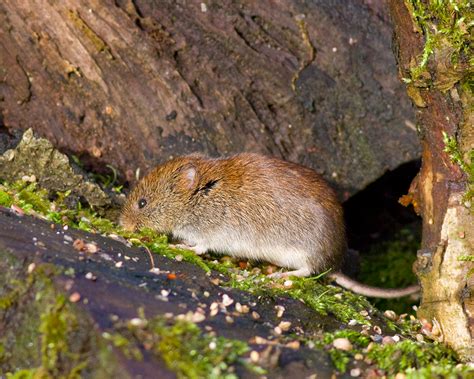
point(189, 175)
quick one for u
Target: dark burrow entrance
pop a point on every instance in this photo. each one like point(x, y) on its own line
point(386, 234)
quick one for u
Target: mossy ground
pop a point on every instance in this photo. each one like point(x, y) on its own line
point(44, 335)
point(199, 353)
point(387, 264)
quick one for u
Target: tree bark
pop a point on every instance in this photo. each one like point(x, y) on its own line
point(442, 191)
point(132, 83)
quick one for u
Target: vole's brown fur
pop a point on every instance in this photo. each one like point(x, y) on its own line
point(248, 206)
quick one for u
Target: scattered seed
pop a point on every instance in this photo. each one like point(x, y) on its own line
point(119, 264)
point(338, 296)
point(178, 258)
point(17, 210)
point(391, 315)
point(165, 293)
point(91, 248)
point(138, 322)
point(377, 329)
point(352, 322)
point(288, 284)
point(212, 345)
point(154, 270)
point(78, 244)
point(254, 356)
point(277, 330)
point(355, 372)
point(364, 313)
point(295, 345)
point(226, 300)
point(284, 325)
point(342, 344)
point(420, 338)
point(31, 268)
point(206, 294)
point(229, 319)
point(280, 310)
point(91, 276)
point(242, 308)
point(358, 357)
point(198, 317)
point(75, 297)
point(400, 375)
point(171, 276)
point(255, 315)
point(387, 340)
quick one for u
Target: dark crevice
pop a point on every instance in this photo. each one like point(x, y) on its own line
point(374, 214)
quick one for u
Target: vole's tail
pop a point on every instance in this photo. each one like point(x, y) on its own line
point(365, 290)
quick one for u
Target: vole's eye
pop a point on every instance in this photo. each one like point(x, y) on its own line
point(141, 203)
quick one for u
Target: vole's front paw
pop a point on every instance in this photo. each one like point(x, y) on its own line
point(199, 250)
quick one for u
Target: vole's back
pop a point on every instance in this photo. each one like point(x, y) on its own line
point(267, 209)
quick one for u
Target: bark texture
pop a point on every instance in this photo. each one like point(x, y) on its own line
point(132, 83)
point(442, 191)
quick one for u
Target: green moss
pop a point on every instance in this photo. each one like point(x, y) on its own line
point(185, 348)
point(5, 199)
point(446, 26)
point(418, 359)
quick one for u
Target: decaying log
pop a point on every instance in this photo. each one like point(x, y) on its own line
point(132, 83)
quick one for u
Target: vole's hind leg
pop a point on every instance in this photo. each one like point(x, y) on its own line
point(302, 272)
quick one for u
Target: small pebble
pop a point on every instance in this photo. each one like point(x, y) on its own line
point(165, 293)
point(400, 375)
point(179, 258)
point(358, 357)
point(277, 330)
point(352, 322)
point(288, 284)
point(377, 329)
point(342, 344)
point(364, 313)
point(420, 338)
point(212, 345)
point(119, 264)
point(206, 294)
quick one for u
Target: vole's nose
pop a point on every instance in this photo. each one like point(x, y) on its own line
point(127, 224)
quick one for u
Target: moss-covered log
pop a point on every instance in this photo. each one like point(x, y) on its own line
point(435, 60)
point(131, 83)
